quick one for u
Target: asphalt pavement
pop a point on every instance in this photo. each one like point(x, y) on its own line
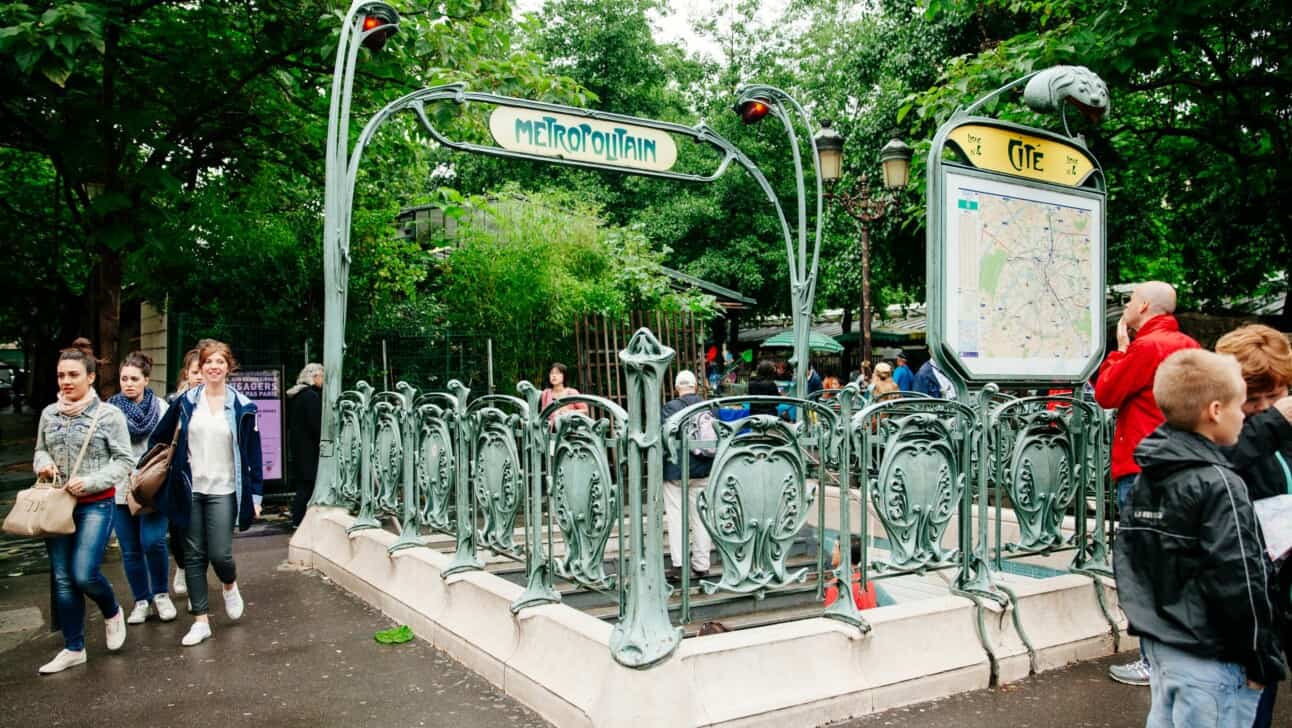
point(304, 655)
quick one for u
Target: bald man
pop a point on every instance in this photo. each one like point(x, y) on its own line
point(1125, 383)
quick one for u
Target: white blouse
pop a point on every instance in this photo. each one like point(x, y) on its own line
point(210, 451)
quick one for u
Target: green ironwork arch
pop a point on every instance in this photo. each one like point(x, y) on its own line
point(336, 273)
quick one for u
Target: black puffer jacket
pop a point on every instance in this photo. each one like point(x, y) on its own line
point(1191, 570)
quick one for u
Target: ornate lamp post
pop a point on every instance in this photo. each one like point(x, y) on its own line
point(755, 103)
point(863, 205)
point(368, 23)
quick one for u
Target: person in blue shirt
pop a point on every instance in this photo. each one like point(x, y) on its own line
point(902, 374)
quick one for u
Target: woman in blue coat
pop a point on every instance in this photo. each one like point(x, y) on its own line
point(215, 481)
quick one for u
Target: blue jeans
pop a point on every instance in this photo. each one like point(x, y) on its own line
point(74, 562)
point(1194, 692)
point(143, 552)
point(1124, 484)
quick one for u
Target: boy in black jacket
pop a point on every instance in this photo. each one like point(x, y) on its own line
point(1192, 574)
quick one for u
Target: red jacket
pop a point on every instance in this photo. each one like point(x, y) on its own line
point(1125, 384)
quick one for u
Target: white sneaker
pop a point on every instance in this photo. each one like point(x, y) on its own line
point(62, 661)
point(115, 629)
point(197, 634)
point(165, 609)
point(139, 614)
point(178, 586)
point(233, 603)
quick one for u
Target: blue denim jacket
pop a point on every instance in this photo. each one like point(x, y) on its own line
point(108, 458)
point(240, 413)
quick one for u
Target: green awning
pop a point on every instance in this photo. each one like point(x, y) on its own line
point(816, 342)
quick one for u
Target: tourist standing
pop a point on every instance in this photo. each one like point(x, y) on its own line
point(304, 428)
point(91, 470)
point(1263, 455)
point(142, 536)
point(1191, 571)
point(882, 383)
point(700, 461)
point(556, 378)
point(215, 481)
point(902, 374)
point(763, 384)
point(1125, 383)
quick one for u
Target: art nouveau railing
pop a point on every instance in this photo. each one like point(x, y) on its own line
point(573, 491)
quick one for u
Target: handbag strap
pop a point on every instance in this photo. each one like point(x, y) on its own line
point(94, 423)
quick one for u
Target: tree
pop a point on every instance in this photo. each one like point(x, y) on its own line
point(190, 117)
point(1197, 138)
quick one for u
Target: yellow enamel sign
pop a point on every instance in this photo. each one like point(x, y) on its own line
point(1022, 155)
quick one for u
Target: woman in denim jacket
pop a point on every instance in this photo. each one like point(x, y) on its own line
point(75, 559)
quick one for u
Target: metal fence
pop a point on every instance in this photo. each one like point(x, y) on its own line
point(575, 493)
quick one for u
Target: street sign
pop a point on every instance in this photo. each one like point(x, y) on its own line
point(1016, 254)
point(551, 134)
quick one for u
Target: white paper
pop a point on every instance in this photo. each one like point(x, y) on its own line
point(1275, 516)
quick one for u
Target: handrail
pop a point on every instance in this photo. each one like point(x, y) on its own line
point(437, 461)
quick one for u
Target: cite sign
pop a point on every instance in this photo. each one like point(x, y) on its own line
point(1022, 155)
point(552, 134)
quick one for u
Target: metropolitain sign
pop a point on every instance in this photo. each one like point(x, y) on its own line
point(550, 134)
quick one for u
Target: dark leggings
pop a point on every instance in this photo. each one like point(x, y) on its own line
point(209, 542)
point(178, 537)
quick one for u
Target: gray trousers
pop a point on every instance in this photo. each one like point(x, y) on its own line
point(209, 540)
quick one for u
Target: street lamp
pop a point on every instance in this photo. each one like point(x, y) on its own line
point(863, 206)
point(367, 24)
point(753, 105)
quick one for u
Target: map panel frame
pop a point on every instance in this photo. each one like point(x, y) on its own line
point(953, 338)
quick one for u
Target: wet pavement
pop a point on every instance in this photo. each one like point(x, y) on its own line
point(304, 655)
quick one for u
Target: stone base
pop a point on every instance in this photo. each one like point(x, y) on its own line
point(556, 659)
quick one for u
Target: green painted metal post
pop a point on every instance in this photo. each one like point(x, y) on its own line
point(408, 426)
point(538, 563)
point(336, 231)
point(464, 559)
point(645, 636)
point(803, 271)
point(845, 608)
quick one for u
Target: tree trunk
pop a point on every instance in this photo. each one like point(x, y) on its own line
point(107, 309)
point(845, 362)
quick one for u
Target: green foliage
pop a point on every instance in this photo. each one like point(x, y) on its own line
point(1197, 138)
point(522, 269)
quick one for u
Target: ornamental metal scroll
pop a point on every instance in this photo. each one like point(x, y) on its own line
point(497, 478)
point(756, 499)
point(1038, 463)
point(351, 408)
point(434, 473)
point(585, 494)
point(920, 454)
point(387, 451)
point(359, 404)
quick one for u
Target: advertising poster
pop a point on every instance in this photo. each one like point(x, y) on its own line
point(265, 388)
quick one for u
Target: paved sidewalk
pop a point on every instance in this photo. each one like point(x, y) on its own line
point(303, 655)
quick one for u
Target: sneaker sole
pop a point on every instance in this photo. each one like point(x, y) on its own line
point(1129, 681)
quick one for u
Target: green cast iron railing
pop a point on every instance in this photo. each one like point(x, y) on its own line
point(506, 478)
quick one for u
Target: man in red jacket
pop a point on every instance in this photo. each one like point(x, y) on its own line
point(1125, 383)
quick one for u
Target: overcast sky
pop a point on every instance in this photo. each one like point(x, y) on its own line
point(676, 26)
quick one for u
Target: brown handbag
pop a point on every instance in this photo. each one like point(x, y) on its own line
point(45, 509)
point(153, 470)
